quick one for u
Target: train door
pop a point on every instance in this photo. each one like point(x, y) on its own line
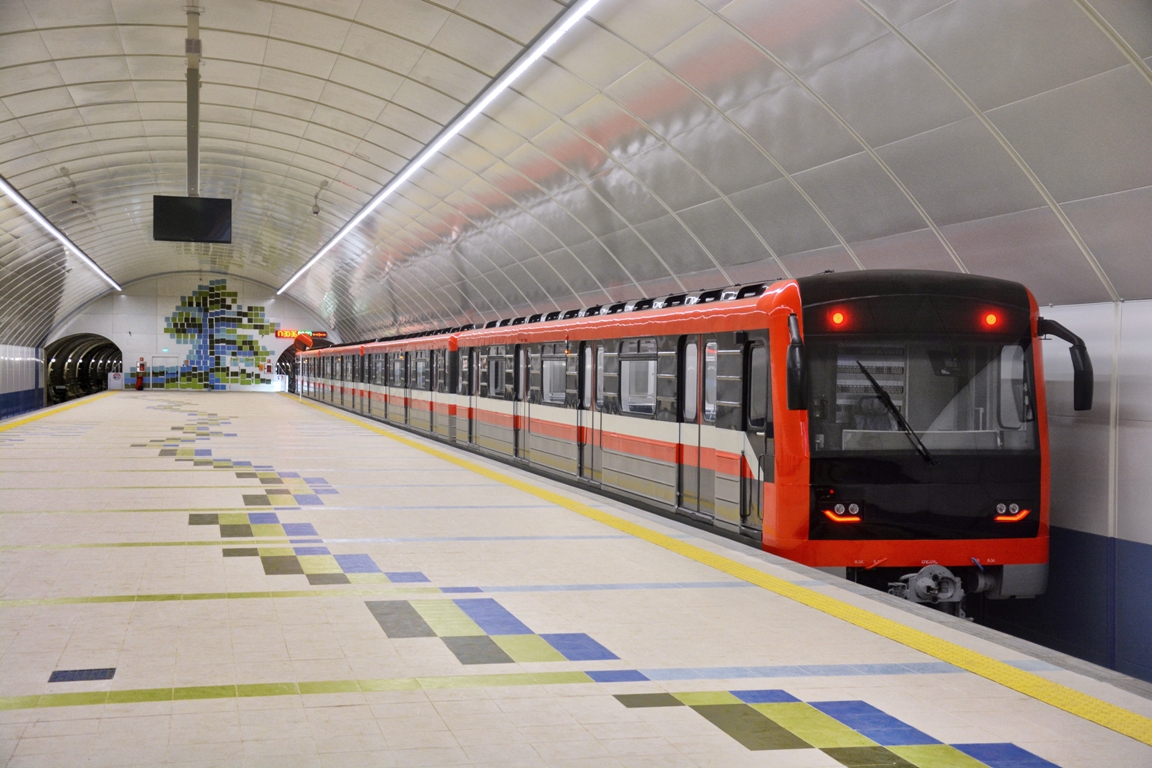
point(520, 404)
point(758, 429)
point(467, 390)
point(688, 497)
point(362, 382)
point(369, 379)
point(588, 417)
point(354, 384)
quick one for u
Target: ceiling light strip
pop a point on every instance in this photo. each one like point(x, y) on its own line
point(17, 198)
point(561, 27)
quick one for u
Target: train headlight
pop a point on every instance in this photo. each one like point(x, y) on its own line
point(838, 509)
point(1011, 513)
point(853, 509)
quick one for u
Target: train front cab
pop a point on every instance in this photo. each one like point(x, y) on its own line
point(915, 449)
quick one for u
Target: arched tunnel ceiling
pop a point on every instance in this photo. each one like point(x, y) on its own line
point(662, 144)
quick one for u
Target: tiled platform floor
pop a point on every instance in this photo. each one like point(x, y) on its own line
point(273, 585)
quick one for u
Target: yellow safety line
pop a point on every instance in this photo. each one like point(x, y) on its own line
point(1060, 696)
point(50, 411)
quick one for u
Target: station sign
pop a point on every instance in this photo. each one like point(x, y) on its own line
point(285, 334)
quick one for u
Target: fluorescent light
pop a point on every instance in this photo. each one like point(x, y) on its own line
point(576, 12)
point(17, 198)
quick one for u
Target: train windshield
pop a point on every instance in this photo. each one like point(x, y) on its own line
point(954, 395)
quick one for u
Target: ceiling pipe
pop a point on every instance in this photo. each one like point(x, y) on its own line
point(192, 49)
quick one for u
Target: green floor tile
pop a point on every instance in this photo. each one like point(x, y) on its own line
point(256, 500)
point(750, 728)
point(693, 698)
point(867, 757)
point(525, 648)
point(936, 756)
point(137, 695)
point(389, 684)
point(399, 619)
point(72, 699)
point(233, 518)
point(267, 689)
point(281, 566)
point(476, 650)
point(317, 579)
point(812, 725)
point(330, 686)
point(18, 702)
point(446, 618)
point(643, 700)
point(235, 531)
point(204, 692)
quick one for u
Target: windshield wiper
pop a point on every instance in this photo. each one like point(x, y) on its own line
point(913, 438)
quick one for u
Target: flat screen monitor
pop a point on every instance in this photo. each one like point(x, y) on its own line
point(192, 219)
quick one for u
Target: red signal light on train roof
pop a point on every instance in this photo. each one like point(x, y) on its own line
point(991, 319)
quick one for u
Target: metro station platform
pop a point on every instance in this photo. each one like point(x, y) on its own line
point(244, 579)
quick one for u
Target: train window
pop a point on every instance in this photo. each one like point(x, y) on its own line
point(956, 395)
point(758, 389)
point(586, 379)
point(638, 386)
point(398, 378)
point(521, 373)
point(465, 372)
point(711, 352)
point(422, 379)
point(1015, 400)
point(729, 387)
point(554, 380)
point(599, 376)
point(691, 373)
point(496, 372)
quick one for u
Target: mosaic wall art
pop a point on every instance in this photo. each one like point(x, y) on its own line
point(225, 338)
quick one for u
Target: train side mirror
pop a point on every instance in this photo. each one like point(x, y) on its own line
point(1083, 380)
point(797, 369)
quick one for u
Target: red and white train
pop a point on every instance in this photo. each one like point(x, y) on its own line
point(890, 423)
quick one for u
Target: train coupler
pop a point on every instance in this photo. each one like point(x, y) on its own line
point(933, 584)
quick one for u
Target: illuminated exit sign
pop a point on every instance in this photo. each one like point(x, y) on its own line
point(282, 334)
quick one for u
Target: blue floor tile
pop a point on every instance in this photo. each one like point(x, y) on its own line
point(459, 590)
point(313, 551)
point(764, 697)
point(879, 726)
point(494, 618)
point(357, 564)
point(299, 529)
point(78, 675)
point(1004, 756)
point(307, 499)
point(616, 675)
point(407, 577)
point(577, 647)
point(263, 518)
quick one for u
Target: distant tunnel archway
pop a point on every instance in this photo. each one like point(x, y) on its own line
point(79, 365)
point(286, 363)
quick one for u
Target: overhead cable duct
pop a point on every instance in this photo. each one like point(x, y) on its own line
point(559, 28)
point(28, 208)
point(192, 49)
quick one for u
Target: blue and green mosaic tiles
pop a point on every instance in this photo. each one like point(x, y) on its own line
point(481, 631)
point(225, 338)
point(854, 733)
